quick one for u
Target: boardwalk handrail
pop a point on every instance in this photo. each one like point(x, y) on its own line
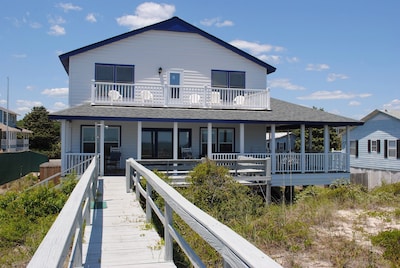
point(56, 245)
point(234, 249)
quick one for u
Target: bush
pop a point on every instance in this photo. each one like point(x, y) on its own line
point(25, 218)
point(390, 241)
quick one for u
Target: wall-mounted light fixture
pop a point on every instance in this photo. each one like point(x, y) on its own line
point(159, 71)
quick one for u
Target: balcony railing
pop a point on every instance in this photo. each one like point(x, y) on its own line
point(179, 96)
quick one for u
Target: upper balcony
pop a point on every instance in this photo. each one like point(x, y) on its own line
point(120, 94)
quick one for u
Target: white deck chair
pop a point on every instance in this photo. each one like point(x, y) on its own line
point(194, 99)
point(114, 95)
point(215, 98)
point(239, 100)
point(146, 96)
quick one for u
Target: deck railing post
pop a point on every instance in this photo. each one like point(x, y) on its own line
point(168, 221)
point(149, 190)
point(128, 177)
point(137, 182)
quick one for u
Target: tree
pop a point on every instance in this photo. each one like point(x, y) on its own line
point(318, 138)
point(46, 133)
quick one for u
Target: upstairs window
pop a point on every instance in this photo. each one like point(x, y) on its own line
point(227, 79)
point(114, 73)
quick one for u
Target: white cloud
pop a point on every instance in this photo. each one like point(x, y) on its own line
point(317, 67)
point(58, 106)
point(392, 105)
point(56, 30)
point(255, 48)
point(20, 56)
point(285, 84)
point(333, 95)
point(25, 106)
point(217, 22)
point(275, 59)
point(68, 6)
point(147, 13)
point(292, 59)
point(56, 20)
point(56, 92)
point(91, 17)
point(258, 50)
point(35, 25)
point(354, 103)
point(332, 77)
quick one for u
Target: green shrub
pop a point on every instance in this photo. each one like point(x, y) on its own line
point(390, 241)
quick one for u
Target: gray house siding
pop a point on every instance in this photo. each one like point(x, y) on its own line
point(380, 128)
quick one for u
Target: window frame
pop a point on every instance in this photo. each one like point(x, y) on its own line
point(228, 78)
point(217, 144)
point(92, 142)
point(115, 74)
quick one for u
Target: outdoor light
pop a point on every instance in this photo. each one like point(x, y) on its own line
point(159, 71)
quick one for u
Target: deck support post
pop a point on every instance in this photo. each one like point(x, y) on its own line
point(303, 147)
point(326, 148)
point(209, 140)
point(168, 221)
point(273, 149)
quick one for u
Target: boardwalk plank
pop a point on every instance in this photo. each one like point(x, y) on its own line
point(119, 235)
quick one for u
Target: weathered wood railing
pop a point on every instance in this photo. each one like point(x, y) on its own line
point(234, 249)
point(65, 235)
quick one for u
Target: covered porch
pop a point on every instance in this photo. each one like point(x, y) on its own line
point(179, 150)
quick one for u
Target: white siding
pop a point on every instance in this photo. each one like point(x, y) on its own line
point(148, 51)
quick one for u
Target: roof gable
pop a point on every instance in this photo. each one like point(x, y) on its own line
point(174, 24)
point(393, 114)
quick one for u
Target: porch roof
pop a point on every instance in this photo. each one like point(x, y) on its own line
point(283, 113)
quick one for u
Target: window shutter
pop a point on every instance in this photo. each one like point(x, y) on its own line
point(398, 149)
point(356, 148)
point(378, 146)
point(385, 148)
point(369, 146)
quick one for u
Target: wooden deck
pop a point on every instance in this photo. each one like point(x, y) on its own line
point(119, 235)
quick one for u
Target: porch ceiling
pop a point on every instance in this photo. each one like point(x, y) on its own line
point(282, 113)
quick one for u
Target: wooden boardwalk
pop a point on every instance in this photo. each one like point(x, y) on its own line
point(119, 235)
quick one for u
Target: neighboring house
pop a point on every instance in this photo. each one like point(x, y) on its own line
point(375, 147)
point(169, 88)
point(12, 138)
point(284, 142)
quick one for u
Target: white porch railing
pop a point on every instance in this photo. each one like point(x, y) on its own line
point(234, 249)
point(172, 96)
point(292, 162)
point(76, 163)
point(65, 235)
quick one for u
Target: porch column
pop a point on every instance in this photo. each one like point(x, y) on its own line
point(209, 140)
point(303, 147)
point(175, 141)
point(241, 138)
point(102, 148)
point(63, 146)
point(326, 148)
point(273, 149)
point(347, 148)
point(139, 141)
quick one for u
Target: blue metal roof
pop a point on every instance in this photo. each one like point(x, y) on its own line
point(174, 24)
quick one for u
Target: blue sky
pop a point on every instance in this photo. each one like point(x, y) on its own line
point(342, 56)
